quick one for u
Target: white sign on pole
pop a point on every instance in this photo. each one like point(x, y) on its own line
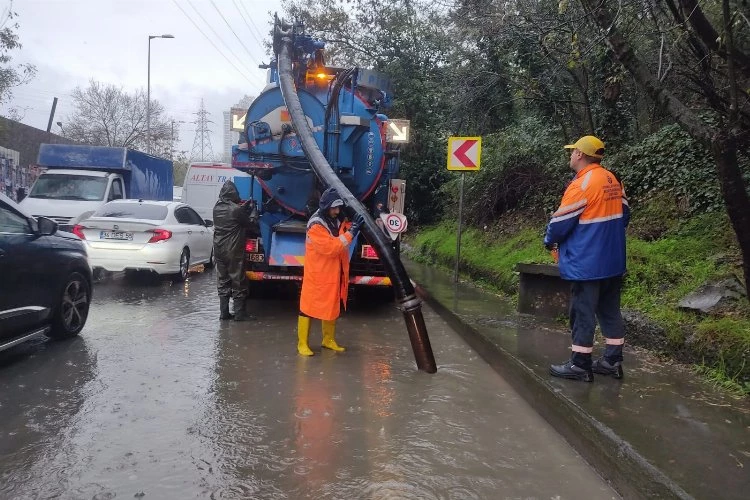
point(394, 223)
point(397, 196)
point(464, 154)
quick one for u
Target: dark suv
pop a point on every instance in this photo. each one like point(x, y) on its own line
point(45, 278)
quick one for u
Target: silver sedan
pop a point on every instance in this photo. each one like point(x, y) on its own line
point(161, 236)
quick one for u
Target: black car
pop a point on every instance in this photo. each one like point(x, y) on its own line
point(45, 278)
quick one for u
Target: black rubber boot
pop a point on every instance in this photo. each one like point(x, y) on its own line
point(240, 314)
point(604, 367)
point(570, 371)
point(224, 309)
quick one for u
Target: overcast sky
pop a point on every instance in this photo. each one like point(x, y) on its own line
point(73, 41)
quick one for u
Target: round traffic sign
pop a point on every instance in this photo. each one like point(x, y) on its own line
point(395, 223)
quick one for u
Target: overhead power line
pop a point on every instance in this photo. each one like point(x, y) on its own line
point(213, 44)
point(235, 33)
point(219, 37)
point(260, 34)
point(249, 29)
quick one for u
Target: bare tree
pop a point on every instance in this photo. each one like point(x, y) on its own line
point(106, 115)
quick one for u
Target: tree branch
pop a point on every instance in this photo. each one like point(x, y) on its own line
point(729, 43)
point(625, 54)
point(708, 35)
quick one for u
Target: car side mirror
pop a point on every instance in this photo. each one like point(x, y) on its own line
point(47, 227)
point(209, 223)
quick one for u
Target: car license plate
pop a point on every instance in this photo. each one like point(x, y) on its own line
point(115, 235)
point(256, 257)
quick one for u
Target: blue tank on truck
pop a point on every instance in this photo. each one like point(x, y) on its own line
point(344, 108)
point(78, 179)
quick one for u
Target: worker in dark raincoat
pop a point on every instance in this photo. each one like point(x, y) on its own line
point(326, 275)
point(231, 221)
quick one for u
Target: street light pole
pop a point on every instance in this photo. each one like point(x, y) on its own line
point(148, 92)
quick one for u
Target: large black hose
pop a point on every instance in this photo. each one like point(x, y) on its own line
point(409, 303)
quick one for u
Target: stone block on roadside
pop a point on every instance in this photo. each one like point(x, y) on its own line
point(712, 296)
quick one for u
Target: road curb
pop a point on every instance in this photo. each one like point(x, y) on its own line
point(629, 473)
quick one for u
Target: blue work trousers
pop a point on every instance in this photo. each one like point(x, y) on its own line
point(591, 301)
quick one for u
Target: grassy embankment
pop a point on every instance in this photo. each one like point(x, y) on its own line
point(662, 269)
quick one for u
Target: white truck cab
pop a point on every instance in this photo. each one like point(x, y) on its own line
point(65, 195)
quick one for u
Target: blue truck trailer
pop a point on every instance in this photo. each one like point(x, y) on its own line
point(78, 179)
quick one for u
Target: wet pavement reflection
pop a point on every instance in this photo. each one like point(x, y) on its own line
point(157, 398)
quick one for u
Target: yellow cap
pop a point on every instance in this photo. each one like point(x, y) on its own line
point(588, 145)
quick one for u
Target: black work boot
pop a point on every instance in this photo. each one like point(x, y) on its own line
point(604, 367)
point(224, 309)
point(570, 371)
point(240, 314)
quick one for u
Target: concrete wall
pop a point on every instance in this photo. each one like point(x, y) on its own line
point(26, 140)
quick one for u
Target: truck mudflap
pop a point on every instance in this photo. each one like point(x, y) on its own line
point(353, 280)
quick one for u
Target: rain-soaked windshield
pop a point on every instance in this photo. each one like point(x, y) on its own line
point(69, 187)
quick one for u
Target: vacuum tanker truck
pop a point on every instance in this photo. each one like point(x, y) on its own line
point(344, 108)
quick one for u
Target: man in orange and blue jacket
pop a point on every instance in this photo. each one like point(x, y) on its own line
point(588, 231)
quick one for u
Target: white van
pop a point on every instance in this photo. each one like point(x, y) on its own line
point(203, 182)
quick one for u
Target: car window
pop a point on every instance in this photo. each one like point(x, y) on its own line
point(116, 192)
point(11, 222)
point(133, 211)
point(183, 216)
point(197, 219)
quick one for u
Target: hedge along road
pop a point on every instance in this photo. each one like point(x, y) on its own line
point(157, 397)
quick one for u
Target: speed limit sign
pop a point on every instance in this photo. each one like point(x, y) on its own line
point(395, 222)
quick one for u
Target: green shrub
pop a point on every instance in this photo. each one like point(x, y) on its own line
point(725, 343)
point(671, 162)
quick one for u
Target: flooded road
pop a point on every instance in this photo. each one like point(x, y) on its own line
point(158, 399)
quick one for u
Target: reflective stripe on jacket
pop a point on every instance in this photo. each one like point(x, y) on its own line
point(589, 226)
point(325, 282)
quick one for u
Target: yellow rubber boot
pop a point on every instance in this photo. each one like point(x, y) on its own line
point(303, 331)
point(329, 332)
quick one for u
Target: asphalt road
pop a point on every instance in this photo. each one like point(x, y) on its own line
point(158, 399)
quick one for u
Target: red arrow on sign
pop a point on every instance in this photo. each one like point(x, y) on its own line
point(461, 151)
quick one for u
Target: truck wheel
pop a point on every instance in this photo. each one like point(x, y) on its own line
point(184, 265)
point(73, 308)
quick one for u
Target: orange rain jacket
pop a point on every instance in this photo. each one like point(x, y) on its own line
point(589, 226)
point(325, 283)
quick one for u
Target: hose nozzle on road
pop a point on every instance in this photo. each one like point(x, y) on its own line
point(411, 307)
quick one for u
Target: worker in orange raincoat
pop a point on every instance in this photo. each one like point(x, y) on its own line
point(326, 274)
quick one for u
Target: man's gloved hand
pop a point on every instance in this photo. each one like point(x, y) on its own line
point(356, 224)
point(252, 208)
point(549, 246)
